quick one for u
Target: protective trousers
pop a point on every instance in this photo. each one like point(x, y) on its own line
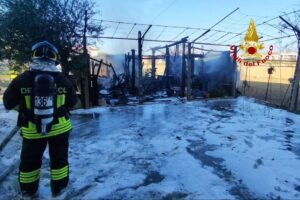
point(31, 161)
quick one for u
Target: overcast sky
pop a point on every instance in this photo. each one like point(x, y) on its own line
point(192, 13)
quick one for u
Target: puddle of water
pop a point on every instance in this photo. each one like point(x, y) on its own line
point(224, 105)
point(198, 150)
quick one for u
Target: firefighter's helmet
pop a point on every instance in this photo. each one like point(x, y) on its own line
point(44, 51)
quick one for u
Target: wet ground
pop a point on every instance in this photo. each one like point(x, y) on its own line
point(218, 149)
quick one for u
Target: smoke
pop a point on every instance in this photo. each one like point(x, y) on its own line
point(216, 71)
point(118, 61)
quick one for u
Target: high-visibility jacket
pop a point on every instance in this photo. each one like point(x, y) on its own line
point(19, 93)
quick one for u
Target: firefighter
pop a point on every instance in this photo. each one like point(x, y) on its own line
point(43, 96)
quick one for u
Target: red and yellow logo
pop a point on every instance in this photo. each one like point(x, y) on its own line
point(251, 47)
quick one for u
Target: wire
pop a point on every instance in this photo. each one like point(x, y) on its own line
point(163, 11)
point(160, 25)
point(163, 30)
point(247, 15)
point(215, 25)
point(277, 28)
point(264, 23)
point(131, 30)
point(116, 30)
point(180, 34)
point(153, 40)
point(221, 37)
point(277, 38)
point(209, 36)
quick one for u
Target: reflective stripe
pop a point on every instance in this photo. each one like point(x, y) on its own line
point(37, 171)
point(63, 99)
point(54, 127)
point(53, 133)
point(31, 125)
point(29, 177)
point(60, 100)
point(58, 177)
point(27, 101)
point(39, 136)
point(57, 174)
point(43, 111)
point(57, 101)
point(29, 180)
point(62, 127)
point(58, 171)
point(56, 130)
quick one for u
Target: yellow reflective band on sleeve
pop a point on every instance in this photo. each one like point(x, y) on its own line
point(58, 104)
point(62, 127)
point(29, 177)
point(63, 99)
point(60, 100)
point(57, 174)
point(27, 101)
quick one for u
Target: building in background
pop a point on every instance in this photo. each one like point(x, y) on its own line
point(254, 80)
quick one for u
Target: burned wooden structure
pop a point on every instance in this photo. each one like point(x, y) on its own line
point(118, 87)
point(136, 83)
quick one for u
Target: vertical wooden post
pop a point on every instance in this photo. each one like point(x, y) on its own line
point(183, 71)
point(234, 66)
point(133, 72)
point(86, 72)
point(202, 73)
point(167, 69)
point(127, 61)
point(189, 73)
point(84, 32)
point(99, 67)
point(140, 65)
point(86, 83)
point(192, 65)
point(153, 70)
point(295, 83)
